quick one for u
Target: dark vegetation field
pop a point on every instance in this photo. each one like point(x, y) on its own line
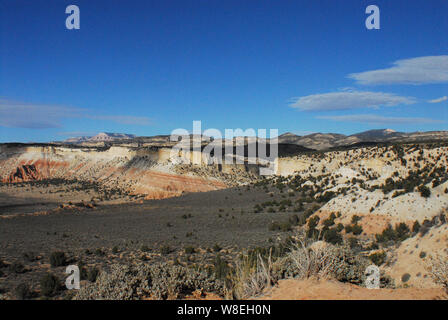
point(195, 228)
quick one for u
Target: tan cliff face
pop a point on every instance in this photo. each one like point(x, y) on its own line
point(137, 171)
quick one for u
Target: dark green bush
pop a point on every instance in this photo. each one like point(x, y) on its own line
point(405, 277)
point(378, 258)
point(332, 236)
point(17, 267)
point(189, 250)
point(58, 259)
point(22, 291)
point(221, 268)
point(424, 191)
point(416, 227)
point(356, 229)
point(166, 250)
point(49, 285)
point(92, 274)
point(30, 256)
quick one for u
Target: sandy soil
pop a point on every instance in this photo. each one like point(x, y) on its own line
point(292, 289)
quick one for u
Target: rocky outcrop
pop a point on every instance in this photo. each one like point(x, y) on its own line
point(136, 171)
point(23, 173)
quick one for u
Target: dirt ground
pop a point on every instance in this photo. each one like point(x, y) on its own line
point(312, 289)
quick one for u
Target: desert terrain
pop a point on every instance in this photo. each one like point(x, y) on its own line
point(140, 226)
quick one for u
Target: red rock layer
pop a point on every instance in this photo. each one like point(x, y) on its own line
point(153, 184)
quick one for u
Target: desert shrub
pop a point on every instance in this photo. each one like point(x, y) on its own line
point(353, 243)
point(189, 250)
point(294, 220)
point(159, 281)
point(424, 191)
point(402, 231)
point(58, 259)
point(332, 236)
point(22, 291)
point(422, 254)
point(405, 277)
point(99, 252)
point(378, 258)
point(92, 274)
point(313, 222)
point(220, 267)
point(348, 228)
point(438, 270)
point(329, 221)
point(355, 219)
point(82, 270)
point(29, 256)
point(280, 226)
point(340, 227)
point(416, 227)
point(49, 285)
point(390, 235)
point(356, 229)
point(17, 267)
point(274, 226)
point(166, 250)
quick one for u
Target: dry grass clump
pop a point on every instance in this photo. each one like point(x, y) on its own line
point(319, 260)
point(251, 277)
point(304, 259)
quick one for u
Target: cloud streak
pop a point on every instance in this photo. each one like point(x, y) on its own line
point(376, 119)
point(441, 99)
point(345, 100)
point(41, 116)
point(415, 71)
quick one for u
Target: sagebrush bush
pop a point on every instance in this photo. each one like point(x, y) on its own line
point(58, 259)
point(92, 274)
point(30, 256)
point(17, 267)
point(22, 291)
point(159, 281)
point(49, 285)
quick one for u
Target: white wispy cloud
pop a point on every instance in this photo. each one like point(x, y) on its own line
point(15, 114)
point(438, 100)
point(34, 116)
point(344, 100)
point(420, 70)
point(376, 119)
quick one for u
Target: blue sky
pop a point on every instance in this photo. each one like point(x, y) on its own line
point(148, 67)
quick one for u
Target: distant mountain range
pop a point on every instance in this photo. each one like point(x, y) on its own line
point(101, 137)
point(316, 141)
point(321, 141)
